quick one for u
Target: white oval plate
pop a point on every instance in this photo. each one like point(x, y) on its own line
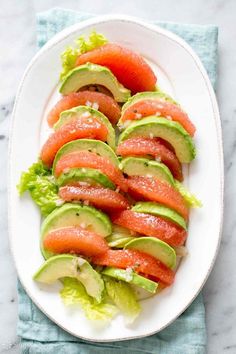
point(181, 74)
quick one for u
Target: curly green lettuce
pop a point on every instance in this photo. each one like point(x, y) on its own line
point(73, 293)
point(190, 198)
point(70, 54)
point(39, 182)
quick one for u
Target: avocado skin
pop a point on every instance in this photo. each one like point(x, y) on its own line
point(92, 145)
point(155, 248)
point(160, 210)
point(148, 95)
point(170, 131)
point(93, 74)
point(132, 278)
point(139, 166)
point(90, 175)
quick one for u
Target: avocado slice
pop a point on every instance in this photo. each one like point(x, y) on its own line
point(88, 175)
point(148, 95)
point(119, 243)
point(75, 215)
point(138, 166)
point(91, 145)
point(160, 210)
point(131, 277)
point(156, 248)
point(76, 112)
point(170, 131)
point(93, 74)
point(71, 266)
point(119, 237)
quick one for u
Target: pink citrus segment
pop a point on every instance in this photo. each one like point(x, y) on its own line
point(142, 263)
point(88, 159)
point(150, 107)
point(103, 103)
point(129, 67)
point(151, 225)
point(103, 198)
point(157, 191)
point(75, 240)
point(82, 127)
point(141, 146)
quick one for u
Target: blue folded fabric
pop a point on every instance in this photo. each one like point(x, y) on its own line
point(187, 335)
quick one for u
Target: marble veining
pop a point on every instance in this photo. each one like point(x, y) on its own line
point(17, 39)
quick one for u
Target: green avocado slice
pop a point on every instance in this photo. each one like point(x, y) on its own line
point(119, 237)
point(76, 112)
point(131, 277)
point(75, 215)
point(160, 210)
point(93, 74)
point(119, 243)
point(148, 95)
point(138, 166)
point(170, 131)
point(71, 266)
point(90, 176)
point(90, 145)
point(156, 248)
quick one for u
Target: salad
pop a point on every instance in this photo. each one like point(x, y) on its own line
point(108, 182)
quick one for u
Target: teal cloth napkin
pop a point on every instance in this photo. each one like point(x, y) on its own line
point(187, 335)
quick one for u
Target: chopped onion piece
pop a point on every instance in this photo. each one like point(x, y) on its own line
point(83, 225)
point(85, 115)
point(95, 105)
point(138, 115)
point(88, 103)
point(181, 251)
point(59, 202)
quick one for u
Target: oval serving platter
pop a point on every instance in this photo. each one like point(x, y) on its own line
point(181, 74)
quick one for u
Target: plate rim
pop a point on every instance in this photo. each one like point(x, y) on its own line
point(175, 38)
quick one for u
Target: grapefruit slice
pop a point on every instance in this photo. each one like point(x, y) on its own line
point(103, 103)
point(158, 107)
point(141, 146)
point(157, 191)
point(75, 240)
point(151, 225)
point(83, 127)
point(129, 67)
point(91, 160)
point(140, 262)
point(88, 112)
point(102, 198)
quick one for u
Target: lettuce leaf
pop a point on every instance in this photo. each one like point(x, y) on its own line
point(41, 185)
point(68, 60)
point(190, 198)
point(73, 292)
point(123, 297)
point(95, 40)
point(70, 54)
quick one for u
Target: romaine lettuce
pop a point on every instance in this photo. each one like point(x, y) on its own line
point(41, 185)
point(190, 198)
point(73, 292)
point(70, 54)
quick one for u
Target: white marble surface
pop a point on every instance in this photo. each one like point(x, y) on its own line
point(17, 46)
